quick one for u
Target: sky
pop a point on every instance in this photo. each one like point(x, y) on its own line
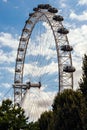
point(13, 15)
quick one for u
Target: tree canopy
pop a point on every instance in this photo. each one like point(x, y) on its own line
point(69, 110)
point(45, 120)
point(83, 81)
point(12, 117)
point(83, 84)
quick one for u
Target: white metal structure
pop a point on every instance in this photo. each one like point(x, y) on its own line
point(48, 14)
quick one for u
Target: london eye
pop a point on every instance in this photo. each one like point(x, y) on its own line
point(44, 62)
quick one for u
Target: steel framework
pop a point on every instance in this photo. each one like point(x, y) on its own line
point(49, 15)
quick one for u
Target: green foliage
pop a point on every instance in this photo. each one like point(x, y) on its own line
point(83, 81)
point(83, 85)
point(33, 126)
point(45, 119)
point(11, 117)
point(69, 111)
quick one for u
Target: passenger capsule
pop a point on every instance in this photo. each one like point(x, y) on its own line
point(19, 59)
point(58, 18)
point(17, 70)
point(17, 81)
point(63, 31)
point(35, 9)
point(31, 14)
point(20, 49)
point(47, 6)
point(23, 39)
point(29, 22)
point(17, 93)
point(66, 48)
point(26, 30)
point(69, 69)
point(44, 6)
point(52, 10)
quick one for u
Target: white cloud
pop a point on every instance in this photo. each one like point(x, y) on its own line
point(62, 3)
point(78, 39)
point(36, 70)
point(5, 1)
point(0, 94)
point(6, 39)
point(3, 57)
point(7, 69)
point(36, 102)
point(8, 57)
point(82, 2)
point(6, 85)
point(46, 42)
point(10, 69)
point(81, 17)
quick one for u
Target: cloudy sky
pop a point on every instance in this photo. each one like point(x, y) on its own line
point(13, 15)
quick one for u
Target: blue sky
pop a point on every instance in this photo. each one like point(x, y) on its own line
point(14, 13)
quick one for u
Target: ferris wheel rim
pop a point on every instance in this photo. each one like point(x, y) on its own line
point(40, 15)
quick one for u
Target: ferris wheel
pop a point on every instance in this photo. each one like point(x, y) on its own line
point(44, 59)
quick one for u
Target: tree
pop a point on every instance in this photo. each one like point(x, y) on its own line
point(83, 85)
point(83, 81)
point(68, 111)
point(12, 117)
point(45, 120)
point(33, 126)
